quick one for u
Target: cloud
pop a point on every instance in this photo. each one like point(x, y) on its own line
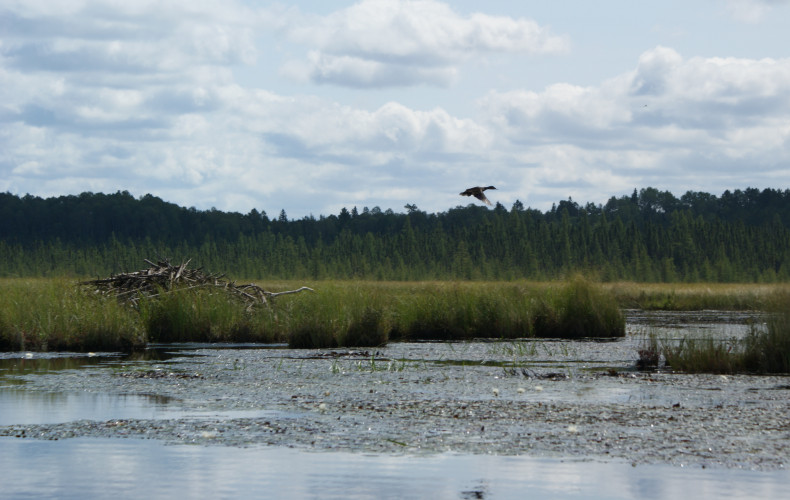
point(671, 121)
point(752, 11)
point(357, 72)
point(131, 39)
point(380, 43)
point(664, 90)
point(112, 95)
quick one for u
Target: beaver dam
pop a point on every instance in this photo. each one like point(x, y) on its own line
point(163, 277)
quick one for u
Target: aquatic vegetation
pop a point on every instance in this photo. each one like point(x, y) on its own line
point(649, 354)
point(373, 313)
point(766, 349)
point(57, 314)
point(579, 309)
point(336, 315)
point(455, 311)
point(705, 355)
point(203, 315)
point(53, 314)
point(574, 309)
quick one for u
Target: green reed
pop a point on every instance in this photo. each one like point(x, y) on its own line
point(765, 349)
point(336, 314)
point(205, 315)
point(54, 314)
point(768, 351)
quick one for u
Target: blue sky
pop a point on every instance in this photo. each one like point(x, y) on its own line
point(314, 106)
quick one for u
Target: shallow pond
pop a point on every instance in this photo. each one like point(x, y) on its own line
point(453, 420)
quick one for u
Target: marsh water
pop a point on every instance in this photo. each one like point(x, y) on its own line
point(484, 419)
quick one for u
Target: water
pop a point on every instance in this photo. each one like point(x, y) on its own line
point(63, 388)
point(114, 468)
point(18, 406)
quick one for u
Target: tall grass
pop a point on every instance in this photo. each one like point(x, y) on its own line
point(337, 314)
point(454, 311)
point(766, 348)
point(577, 309)
point(53, 314)
point(573, 309)
point(693, 296)
point(768, 351)
point(204, 315)
point(445, 311)
point(706, 355)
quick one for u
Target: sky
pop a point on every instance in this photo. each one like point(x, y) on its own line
point(313, 106)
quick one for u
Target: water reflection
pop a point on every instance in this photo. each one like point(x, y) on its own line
point(100, 468)
point(29, 363)
point(18, 406)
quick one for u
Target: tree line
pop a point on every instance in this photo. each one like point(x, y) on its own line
point(651, 235)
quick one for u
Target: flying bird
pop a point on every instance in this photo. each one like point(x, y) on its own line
point(477, 192)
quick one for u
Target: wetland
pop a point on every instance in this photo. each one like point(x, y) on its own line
point(548, 398)
point(474, 418)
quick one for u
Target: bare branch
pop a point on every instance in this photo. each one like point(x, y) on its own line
point(163, 277)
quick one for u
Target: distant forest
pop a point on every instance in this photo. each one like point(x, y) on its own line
point(651, 235)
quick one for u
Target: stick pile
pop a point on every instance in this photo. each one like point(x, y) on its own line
point(163, 277)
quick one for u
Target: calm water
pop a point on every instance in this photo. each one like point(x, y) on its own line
point(120, 468)
point(136, 468)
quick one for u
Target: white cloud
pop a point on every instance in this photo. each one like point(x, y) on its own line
point(358, 72)
point(668, 120)
point(126, 38)
point(122, 95)
point(404, 42)
point(752, 11)
point(664, 90)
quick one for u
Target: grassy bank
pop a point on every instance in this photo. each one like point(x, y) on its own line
point(57, 315)
point(695, 296)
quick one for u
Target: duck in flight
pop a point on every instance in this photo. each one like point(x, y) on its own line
point(477, 192)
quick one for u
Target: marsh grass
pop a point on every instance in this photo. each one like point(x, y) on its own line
point(338, 314)
point(204, 315)
point(768, 350)
point(765, 349)
point(694, 296)
point(455, 311)
point(578, 309)
point(53, 315)
point(704, 355)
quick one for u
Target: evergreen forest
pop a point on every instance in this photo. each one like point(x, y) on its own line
point(649, 236)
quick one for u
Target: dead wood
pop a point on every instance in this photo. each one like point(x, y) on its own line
point(163, 277)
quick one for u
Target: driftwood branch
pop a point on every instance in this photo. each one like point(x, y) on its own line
point(163, 277)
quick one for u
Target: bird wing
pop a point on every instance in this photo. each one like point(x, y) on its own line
point(480, 196)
